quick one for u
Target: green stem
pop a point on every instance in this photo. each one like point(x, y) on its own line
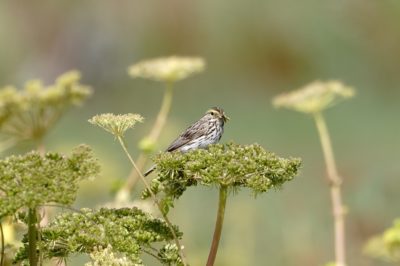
point(218, 225)
point(153, 137)
point(335, 185)
point(163, 113)
point(177, 243)
point(132, 179)
point(42, 150)
point(32, 236)
point(2, 245)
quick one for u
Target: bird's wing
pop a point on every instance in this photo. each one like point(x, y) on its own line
point(193, 132)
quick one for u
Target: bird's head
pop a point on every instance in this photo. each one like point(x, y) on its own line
point(218, 113)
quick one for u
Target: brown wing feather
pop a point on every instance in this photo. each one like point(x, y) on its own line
point(194, 131)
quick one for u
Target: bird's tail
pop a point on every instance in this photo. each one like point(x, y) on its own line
point(150, 170)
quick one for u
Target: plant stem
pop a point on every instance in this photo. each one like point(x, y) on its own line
point(153, 137)
point(2, 245)
point(218, 225)
point(132, 179)
point(45, 219)
point(177, 243)
point(163, 113)
point(32, 236)
point(41, 148)
point(335, 185)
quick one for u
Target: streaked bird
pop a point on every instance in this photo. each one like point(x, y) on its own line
point(208, 130)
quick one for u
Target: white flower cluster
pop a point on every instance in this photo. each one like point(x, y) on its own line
point(167, 69)
point(314, 97)
point(116, 124)
point(106, 256)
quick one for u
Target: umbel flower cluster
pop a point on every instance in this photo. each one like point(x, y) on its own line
point(387, 245)
point(107, 234)
point(167, 69)
point(28, 113)
point(232, 165)
point(116, 124)
point(30, 180)
point(314, 97)
point(107, 256)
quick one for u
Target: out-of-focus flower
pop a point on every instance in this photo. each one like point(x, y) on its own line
point(116, 124)
point(29, 113)
point(314, 97)
point(147, 145)
point(167, 69)
point(387, 245)
point(9, 232)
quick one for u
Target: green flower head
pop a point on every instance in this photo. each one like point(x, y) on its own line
point(29, 113)
point(314, 97)
point(107, 256)
point(31, 180)
point(124, 234)
point(232, 165)
point(167, 69)
point(116, 124)
point(387, 245)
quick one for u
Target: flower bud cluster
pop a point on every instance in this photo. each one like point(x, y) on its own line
point(127, 232)
point(232, 165)
point(30, 180)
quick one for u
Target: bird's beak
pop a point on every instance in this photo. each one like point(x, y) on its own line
point(225, 118)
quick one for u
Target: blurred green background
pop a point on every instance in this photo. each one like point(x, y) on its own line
point(254, 50)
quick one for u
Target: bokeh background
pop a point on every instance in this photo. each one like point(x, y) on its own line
point(254, 50)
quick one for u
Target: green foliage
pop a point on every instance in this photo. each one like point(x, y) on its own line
point(32, 179)
point(27, 114)
point(128, 232)
point(387, 245)
point(231, 165)
point(116, 124)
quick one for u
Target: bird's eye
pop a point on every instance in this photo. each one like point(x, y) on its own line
point(212, 113)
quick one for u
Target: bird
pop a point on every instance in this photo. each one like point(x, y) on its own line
point(207, 130)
